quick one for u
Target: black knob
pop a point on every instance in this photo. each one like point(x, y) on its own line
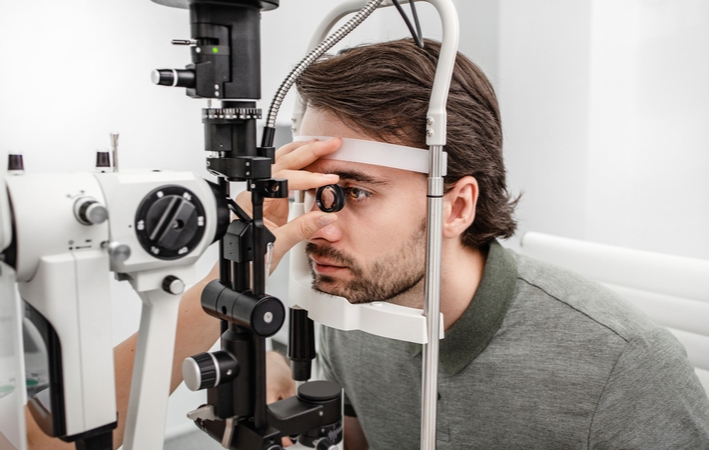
point(15, 163)
point(208, 370)
point(173, 77)
point(173, 285)
point(170, 222)
point(103, 161)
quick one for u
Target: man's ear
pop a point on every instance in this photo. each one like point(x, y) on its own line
point(460, 207)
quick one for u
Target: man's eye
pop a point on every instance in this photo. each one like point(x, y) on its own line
point(356, 194)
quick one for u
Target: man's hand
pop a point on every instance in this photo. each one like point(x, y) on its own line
point(290, 159)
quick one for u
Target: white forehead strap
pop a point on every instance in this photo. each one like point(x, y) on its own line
point(377, 153)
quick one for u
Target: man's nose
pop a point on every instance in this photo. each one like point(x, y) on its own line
point(329, 233)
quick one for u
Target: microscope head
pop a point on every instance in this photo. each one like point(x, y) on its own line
point(225, 49)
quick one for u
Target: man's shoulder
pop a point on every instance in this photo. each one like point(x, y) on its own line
point(581, 299)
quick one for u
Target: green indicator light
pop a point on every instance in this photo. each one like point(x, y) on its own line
point(215, 50)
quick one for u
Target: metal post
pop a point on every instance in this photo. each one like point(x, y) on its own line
point(430, 360)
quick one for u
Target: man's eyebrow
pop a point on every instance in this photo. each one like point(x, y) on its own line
point(361, 177)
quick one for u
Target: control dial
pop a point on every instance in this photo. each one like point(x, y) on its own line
point(208, 370)
point(88, 211)
point(170, 222)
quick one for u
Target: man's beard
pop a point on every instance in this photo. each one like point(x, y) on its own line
point(382, 280)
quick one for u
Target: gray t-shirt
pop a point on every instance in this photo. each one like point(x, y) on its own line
point(542, 358)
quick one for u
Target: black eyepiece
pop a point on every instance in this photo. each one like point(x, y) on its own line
point(330, 198)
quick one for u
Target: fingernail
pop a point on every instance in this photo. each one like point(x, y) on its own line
point(326, 219)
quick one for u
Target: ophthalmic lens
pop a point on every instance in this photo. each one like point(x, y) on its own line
point(330, 198)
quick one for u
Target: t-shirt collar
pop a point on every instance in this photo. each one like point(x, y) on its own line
point(472, 332)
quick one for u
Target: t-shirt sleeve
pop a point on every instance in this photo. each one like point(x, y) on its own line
point(652, 399)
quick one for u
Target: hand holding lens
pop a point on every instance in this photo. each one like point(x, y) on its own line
point(329, 198)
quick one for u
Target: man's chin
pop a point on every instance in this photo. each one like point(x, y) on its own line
point(323, 288)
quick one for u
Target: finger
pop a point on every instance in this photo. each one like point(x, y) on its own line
point(301, 180)
point(300, 228)
point(306, 154)
point(291, 146)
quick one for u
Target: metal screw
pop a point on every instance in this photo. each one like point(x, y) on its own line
point(268, 317)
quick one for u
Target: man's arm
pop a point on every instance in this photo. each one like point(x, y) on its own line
point(652, 399)
point(354, 436)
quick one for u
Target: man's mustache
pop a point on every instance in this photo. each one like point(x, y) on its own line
point(329, 253)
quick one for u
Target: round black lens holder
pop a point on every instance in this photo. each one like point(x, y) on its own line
point(170, 222)
point(330, 198)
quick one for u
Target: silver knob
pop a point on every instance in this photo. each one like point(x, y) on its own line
point(119, 252)
point(173, 285)
point(88, 211)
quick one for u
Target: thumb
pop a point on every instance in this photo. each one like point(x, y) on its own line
point(300, 228)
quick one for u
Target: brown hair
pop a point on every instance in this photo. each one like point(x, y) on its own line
point(383, 90)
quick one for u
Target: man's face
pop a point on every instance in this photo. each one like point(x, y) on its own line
point(376, 250)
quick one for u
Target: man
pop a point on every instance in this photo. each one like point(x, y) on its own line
point(534, 357)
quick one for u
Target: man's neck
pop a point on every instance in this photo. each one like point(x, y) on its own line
point(462, 271)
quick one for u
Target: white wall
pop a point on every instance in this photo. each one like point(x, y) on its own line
point(605, 116)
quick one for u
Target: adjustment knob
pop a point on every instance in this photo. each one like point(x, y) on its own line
point(119, 252)
point(170, 222)
point(173, 285)
point(88, 211)
point(208, 370)
point(103, 161)
point(173, 77)
point(15, 164)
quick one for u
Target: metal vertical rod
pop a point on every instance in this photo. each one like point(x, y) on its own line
point(432, 288)
point(225, 276)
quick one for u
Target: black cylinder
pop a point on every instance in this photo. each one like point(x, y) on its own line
point(15, 162)
point(174, 77)
point(301, 344)
point(262, 314)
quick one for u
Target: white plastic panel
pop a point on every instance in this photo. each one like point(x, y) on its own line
point(674, 312)
point(649, 271)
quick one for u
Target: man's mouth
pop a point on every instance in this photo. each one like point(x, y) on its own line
point(325, 266)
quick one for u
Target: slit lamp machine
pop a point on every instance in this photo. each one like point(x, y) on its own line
point(149, 227)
